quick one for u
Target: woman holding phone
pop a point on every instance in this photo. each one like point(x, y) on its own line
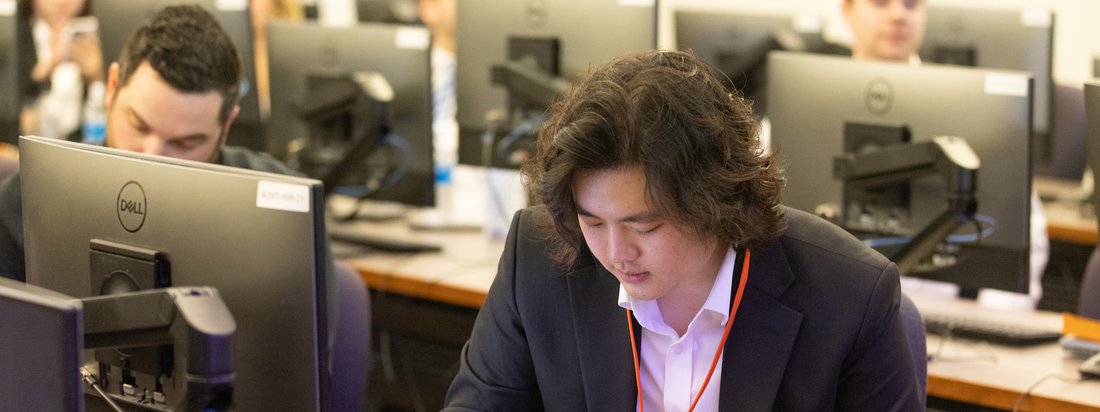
point(67, 60)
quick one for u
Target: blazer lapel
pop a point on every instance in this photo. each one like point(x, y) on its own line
point(603, 340)
point(762, 335)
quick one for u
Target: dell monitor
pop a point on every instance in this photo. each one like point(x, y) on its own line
point(826, 106)
point(119, 18)
point(1092, 117)
point(387, 11)
point(555, 40)
point(307, 57)
point(40, 349)
point(737, 44)
point(1020, 40)
point(99, 220)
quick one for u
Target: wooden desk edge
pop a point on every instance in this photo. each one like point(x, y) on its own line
point(969, 392)
point(1072, 234)
point(418, 289)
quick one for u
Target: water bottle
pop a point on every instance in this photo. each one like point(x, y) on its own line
point(445, 156)
point(95, 115)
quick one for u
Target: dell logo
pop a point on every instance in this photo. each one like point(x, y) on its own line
point(536, 13)
point(879, 96)
point(131, 206)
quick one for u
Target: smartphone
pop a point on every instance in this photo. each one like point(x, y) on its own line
point(84, 25)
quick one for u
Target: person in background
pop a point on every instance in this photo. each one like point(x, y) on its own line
point(439, 16)
point(68, 58)
point(659, 271)
point(173, 92)
point(263, 12)
point(893, 30)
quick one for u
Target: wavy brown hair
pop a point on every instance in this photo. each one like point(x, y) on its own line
point(667, 113)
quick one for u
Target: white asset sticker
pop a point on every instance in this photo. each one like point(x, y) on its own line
point(231, 5)
point(1006, 84)
point(1036, 17)
point(412, 38)
point(282, 196)
point(7, 8)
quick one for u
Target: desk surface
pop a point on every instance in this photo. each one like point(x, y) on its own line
point(996, 376)
point(462, 273)
point(459, 275)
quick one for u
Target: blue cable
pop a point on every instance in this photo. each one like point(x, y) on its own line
point(523, 129)
point(988, 225)
point(392, 176)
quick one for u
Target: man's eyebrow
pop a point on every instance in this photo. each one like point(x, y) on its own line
point(136, 116)
point(192, 136)
point(645, 217)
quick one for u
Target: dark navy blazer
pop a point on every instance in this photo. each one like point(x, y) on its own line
point(818, 330)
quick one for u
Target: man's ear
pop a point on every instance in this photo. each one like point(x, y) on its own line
point(112, 84)
point(229, 123)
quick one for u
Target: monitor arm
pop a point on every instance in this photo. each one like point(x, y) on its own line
point(365, 97)
point(531, 90)
point(193, 319)
point(530, 85)
point(950, 157)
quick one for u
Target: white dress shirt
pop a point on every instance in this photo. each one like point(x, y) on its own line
point(673, 367)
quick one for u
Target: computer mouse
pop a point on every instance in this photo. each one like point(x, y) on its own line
point(1090, 369)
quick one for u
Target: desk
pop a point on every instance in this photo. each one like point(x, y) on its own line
point(995, 376)
point(999, 383)
point(462, 273)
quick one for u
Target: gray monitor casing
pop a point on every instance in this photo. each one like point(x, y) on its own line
point(401, 53)
point(726, 39)
point(1092, 116)
point(267, 262)
point(11, 70)
point(1020, 39)
point(812, 96)
point(41, 342)
point(590, 32)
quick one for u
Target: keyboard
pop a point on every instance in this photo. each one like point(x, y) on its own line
point(967, 319)
point(380, 242)
point(1079, 348)
point(999, 331)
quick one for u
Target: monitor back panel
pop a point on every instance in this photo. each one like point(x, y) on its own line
point(398, 52)
point(1092, 116)
point(10, 71)
point(583, 28)
point(737, 43)
point(1002, 39)
point(812, 96)
point(256, 237)
point(40, 349)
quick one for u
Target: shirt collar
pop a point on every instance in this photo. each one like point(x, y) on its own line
point(718, 301)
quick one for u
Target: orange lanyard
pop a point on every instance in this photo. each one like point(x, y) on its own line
point(717, 352)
